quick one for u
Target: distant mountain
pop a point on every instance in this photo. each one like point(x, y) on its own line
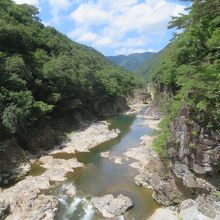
point(145, 70)
point(131, 62)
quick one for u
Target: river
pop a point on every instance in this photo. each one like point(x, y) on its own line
point(102, 176)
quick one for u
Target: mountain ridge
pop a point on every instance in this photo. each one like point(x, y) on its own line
point(131, 62)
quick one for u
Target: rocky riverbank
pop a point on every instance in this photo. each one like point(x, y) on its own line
point(88, 138)
point(25, 200)
point(178, 186)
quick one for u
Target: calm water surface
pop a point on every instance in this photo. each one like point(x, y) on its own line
point(101, 176)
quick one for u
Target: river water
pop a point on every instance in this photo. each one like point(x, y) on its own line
point(101, 176)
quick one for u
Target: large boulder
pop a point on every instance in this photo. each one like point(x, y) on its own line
point(203, 208)
point(42, 207)
point(168, 193)
point(111, 207)
point(160, 179)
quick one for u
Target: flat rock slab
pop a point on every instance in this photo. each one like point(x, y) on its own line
point(111, 207)
point(164, 214)
point(43, 207)
point(25, 194)
point(91, 137)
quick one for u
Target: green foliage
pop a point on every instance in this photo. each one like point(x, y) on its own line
point(194, 133)
point(160, 143)
point(218, 195)
point(131, 62)
point(192, 146)
point(44, 74)
point(188, 70)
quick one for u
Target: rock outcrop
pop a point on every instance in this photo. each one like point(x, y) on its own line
point(111, 207)
point(197, 148)
point(203, 208)
point(88, 138)
point(113, 107)
point(193, 155)
point(42, 137)
point(13, 162)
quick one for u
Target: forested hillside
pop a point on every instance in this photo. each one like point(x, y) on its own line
point(187, 72)
point(146, 68)
point(131, 62)
point(43, 74)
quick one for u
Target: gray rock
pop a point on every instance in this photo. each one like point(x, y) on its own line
point(70, 190)
point(4, 208)
point(204, 157)
point(207, 210)
point(186, 204)
point(111, 207)
point(189, 180)
point(180, 169)
point(164, 213)
point(43, 208)
point(168, 193)
point(142, 180)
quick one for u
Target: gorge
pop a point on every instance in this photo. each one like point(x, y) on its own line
point(83, 138)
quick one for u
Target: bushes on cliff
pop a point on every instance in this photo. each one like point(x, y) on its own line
point(188, 70)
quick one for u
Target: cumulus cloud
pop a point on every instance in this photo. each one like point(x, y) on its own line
point(56, 7)
point(90, 14)
point(124, 25)
point(127, 51)
point(30, 2)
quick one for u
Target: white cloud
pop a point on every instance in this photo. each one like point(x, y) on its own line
point(90, 14)
point(152, 50)
point(56, 7)
point(30, 2)
point(127, 51)
point(123, 25)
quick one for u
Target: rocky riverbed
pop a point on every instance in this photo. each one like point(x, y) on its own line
point(25, 199)
point(28, 199)
point(167, 188)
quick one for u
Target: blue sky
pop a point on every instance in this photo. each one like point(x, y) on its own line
point(112, 26)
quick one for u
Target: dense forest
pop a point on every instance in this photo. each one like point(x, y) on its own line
point(132, 62)
point(43, 74)
point(187, 71)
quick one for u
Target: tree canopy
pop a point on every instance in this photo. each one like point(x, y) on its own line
point(43, 73)
point(188, 70)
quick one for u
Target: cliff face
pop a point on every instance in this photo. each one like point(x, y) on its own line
point(195, 147)
point(194, 154)
point(193, 168)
